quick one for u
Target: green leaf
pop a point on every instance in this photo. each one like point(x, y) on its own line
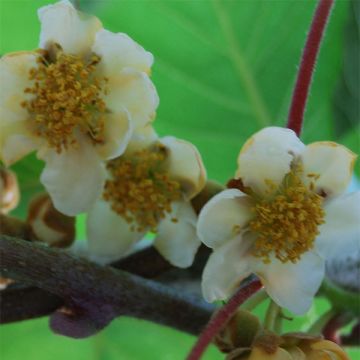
point(224, 69)
point(347, 94)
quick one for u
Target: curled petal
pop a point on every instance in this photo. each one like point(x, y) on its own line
point(223, 217)
point(14, 78)
point(293, 286)
point(185, 165)
point(267, 156)
point(176, 240)
point(118, 51)
point(109, 236)
point(261, 354)
point(118, 131)
point(324, 350)
point(74, 31)
point(333, 163)
point(134, 91)
point(74, 178)
point(227, 266)
point(340, 234)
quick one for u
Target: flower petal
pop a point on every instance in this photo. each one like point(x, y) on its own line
point(14, 78)
point(293, 286)
point(109, 236)
point(15, 146)
point(184, 163)
point(223, 217)
point(61, 23)
point(74, 178)
point(118, 131)
point(142, 138)
point(334, 164)
point(118, 51)
point(177, 241)
point(227, 266)
point(260, 354)
point(341, 229)
point(267, 155)
point(134, 91)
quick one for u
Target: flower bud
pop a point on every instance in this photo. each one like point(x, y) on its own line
point(9, 190)
point(239, 332)
point(49, 225)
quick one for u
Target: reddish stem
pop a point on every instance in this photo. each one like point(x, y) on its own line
point(222, 317)
point(308, 60)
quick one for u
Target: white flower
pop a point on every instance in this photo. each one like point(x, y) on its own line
point(281, 219)
point(77, 101)
point(149, 189)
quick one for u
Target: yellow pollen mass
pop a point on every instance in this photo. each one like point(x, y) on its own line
point(140, 190)
point(67, 99)
point(287, 220)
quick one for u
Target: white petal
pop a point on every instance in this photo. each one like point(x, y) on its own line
point(142, 138)
point(118, 131)
point(74, 178)
point(16, 146)
point(333, 162)
point(109, 235)
point(223, 217)
point(118, 51)
point(14, 79)
point(177, 241)
point(61, 23)
point(227, 266)
point(185, 165)
point(134, 91)
point(293, 286)
point(340, 234)
point(267, 155)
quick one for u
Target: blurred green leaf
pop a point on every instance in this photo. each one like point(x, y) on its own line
point(224, 69)
point(347, 94)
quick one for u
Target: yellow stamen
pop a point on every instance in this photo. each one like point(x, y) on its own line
point(67, 98)
point(140, 190)
point(287, 221)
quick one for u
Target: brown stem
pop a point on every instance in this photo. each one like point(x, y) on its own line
point(22, 302)
point(100, 293)
point(308, 60)
point(222, 317)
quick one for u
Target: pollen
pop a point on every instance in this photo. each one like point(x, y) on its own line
point(67, 99)
point(287, 220)
point(140, 190)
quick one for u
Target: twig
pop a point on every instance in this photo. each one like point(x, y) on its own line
point(221, 318)
point(305, 74)
point(98, 292)
point(22, 302)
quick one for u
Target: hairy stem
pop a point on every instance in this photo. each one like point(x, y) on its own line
point(308, 60)
point(222, 317)
point(97, 291)
point(21, 302)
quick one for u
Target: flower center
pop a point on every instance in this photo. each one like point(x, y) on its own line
point(66, 99)
point(140, 190)
point(287, 220)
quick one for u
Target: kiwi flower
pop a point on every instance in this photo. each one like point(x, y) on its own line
point(149, 188)
point(77, 100)
point(280, 219)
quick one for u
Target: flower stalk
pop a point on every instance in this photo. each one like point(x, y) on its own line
point(307, 65)
point(222, 317)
